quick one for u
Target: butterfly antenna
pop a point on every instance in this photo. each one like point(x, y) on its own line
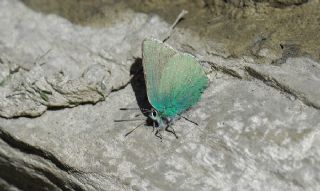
point(123, 108)
point(123, 120)
point(143, 110)
point(133, 129)
point(189, 120)
point(178, 19)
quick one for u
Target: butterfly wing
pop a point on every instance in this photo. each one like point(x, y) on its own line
point(154, 58)
point(181, 84)
point(175, 81)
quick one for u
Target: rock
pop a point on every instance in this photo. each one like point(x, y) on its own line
point(251, 135)
point(299, 77)
point(56, 71)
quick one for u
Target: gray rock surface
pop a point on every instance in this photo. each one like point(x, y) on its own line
point(258, 124)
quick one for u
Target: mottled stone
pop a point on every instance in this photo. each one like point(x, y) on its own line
point(299, 77)
point(258, 124)
point(48, 65)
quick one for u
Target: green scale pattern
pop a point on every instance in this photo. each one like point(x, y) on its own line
point(174, 80)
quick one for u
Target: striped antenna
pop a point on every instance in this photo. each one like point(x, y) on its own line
point(133, 129)
point(123, 120)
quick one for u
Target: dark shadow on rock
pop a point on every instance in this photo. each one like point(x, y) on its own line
point(139, 86)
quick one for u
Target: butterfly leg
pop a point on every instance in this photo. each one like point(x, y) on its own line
point(171, 131)
point(157, 134)
point(153, 127)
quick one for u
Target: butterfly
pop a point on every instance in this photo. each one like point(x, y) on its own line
point(174, 83)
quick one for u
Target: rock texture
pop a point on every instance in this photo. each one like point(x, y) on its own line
point(61, 87)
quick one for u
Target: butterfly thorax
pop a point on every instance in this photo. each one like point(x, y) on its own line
point(159, 120)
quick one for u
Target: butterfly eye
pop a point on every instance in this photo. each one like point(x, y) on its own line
point(154, 113)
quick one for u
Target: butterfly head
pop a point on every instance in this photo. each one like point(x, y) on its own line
point(158, 120)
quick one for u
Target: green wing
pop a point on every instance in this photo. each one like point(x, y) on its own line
point(174, 80)
point(155, 55)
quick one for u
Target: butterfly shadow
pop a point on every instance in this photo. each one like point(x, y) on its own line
point(139, 87)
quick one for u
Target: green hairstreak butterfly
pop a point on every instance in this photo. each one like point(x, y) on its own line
point(174, 82)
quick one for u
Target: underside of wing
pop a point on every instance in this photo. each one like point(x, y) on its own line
point(155, 55)
point(181, 85)
point(174, 80)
